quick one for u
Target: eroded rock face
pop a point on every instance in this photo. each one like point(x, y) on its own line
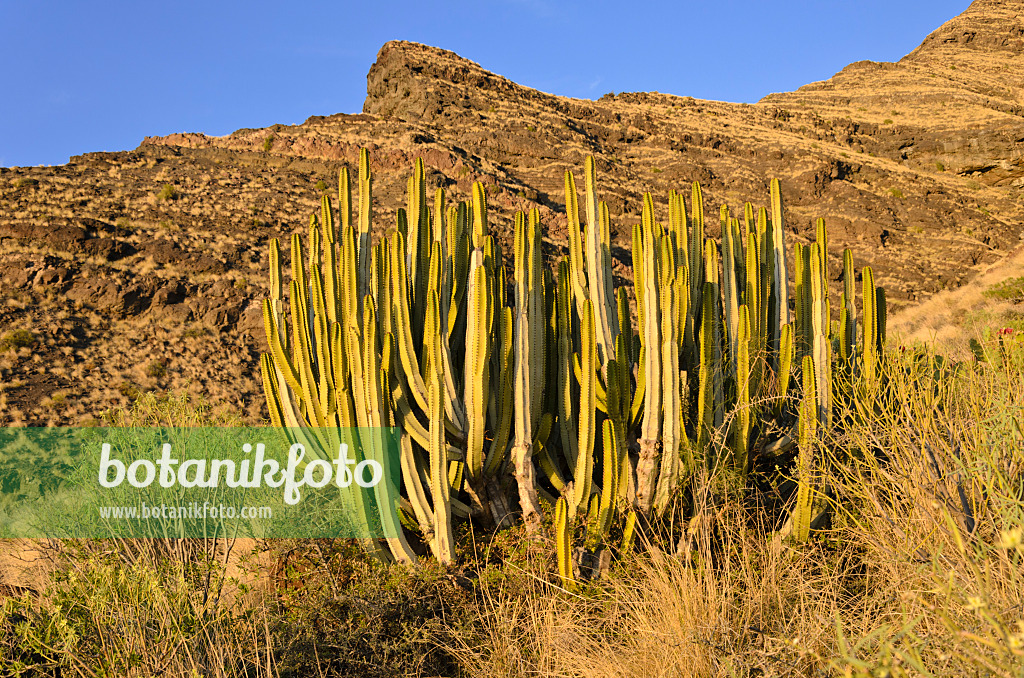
point(915, 165)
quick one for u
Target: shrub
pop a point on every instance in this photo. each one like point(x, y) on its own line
point(156, 370)
point(168, 192)
point(16, 339)
point(939, 166)
point(268, 143)
point(895, 192)
point(1011, 289)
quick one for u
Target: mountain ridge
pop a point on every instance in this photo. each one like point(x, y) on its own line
point(121, 261)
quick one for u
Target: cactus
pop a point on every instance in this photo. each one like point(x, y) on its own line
point(500, 400)
point(869, 356)
point(742, 425)
point(848, 315)
point(778, 303)
point(599, 265)
point(651, 426)
point(563, 544)
point(808, 424)
point(529, 362)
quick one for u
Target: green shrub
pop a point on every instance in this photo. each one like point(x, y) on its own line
point(168, 192)
point(939, 166)
point(16, 339)
point(156, 370)
point(268, 143)
point(895, 192)
point(1011, 289)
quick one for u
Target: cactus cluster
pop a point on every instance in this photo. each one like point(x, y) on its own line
point(517, 385)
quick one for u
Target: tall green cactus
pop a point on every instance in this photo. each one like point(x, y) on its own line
point(529, 361)
point(417, 331)
point(652, 368)
point(808, 426)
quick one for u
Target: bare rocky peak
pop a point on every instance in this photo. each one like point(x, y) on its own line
point(986, 26)
point(410, 82)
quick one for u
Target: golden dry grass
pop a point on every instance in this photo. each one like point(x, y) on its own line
point(920, 572)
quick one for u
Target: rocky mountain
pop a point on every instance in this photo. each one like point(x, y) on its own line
point(143, 270)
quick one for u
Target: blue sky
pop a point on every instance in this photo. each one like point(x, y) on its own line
point(99, 76)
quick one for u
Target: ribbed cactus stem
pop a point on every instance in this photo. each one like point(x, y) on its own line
point(584, 463)
point(807, 434)
point(821, 347)
point(577, 261)
point(563, 544)
point(672, 425)
point(743, 421)
point(651, 426)
point(785, 360)
point(365, 217)
point(779, 300)
point(696, 254)
point(609, 477)
point(730, 289)
point(848, 328)
point(567, 400)
point(475, 374)
point(439, 484)
point(870, 348)
point(527, 323)
point(599, 265)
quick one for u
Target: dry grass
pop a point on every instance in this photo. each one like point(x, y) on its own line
point(949, 319)
point(919, 573)
point(919, 570)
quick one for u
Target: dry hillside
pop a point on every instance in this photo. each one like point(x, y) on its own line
point(144, 269)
